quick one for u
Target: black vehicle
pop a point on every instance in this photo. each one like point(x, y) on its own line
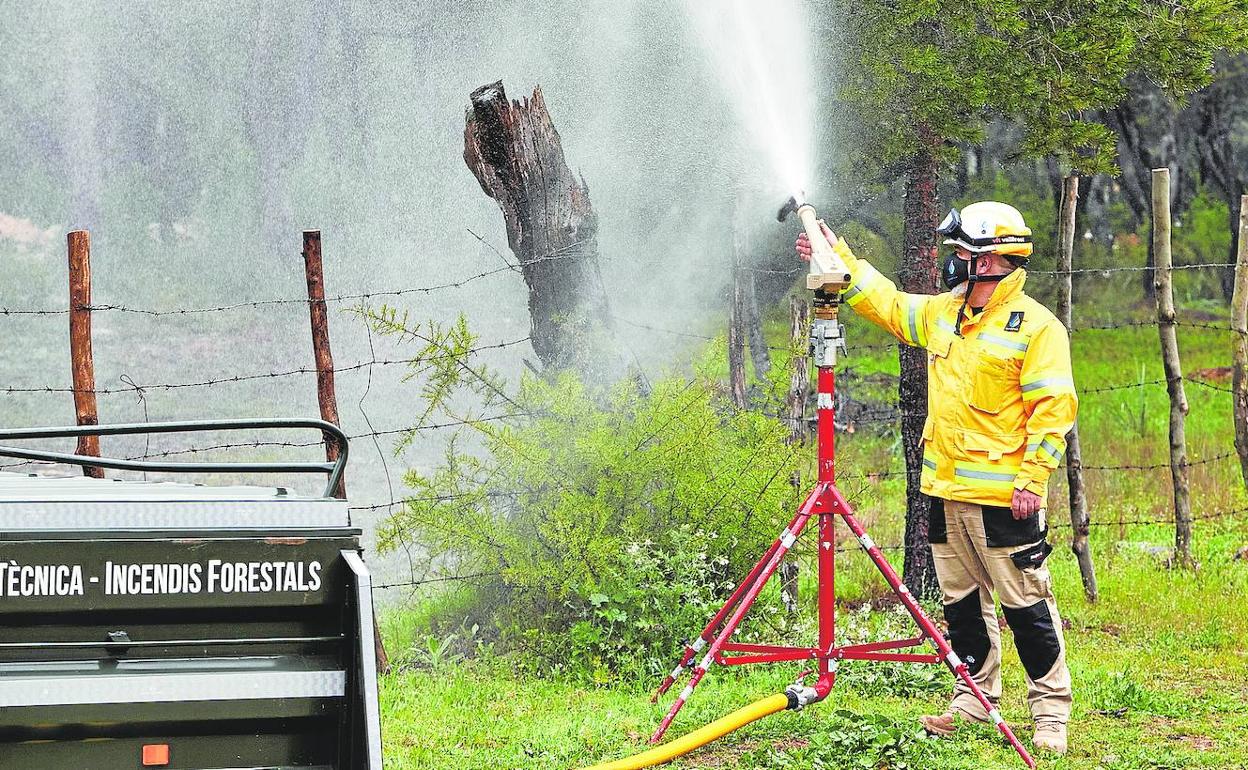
point(175, 625)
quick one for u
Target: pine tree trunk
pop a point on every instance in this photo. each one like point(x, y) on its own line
point(1215, 113)
point(799, 377)
point(760, 355)
point(918, 274)
point(1151, 135)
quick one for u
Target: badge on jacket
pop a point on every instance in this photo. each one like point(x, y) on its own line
point(1016, 321)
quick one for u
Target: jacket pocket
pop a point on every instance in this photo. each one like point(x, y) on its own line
point(994, 445)
point(992, 383)
point(991, 465)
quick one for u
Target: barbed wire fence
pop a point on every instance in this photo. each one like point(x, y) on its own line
point(891, 412)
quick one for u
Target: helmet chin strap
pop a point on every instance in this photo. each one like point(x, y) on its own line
point(971, 280)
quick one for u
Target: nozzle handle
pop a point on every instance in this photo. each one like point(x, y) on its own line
point(827, 270)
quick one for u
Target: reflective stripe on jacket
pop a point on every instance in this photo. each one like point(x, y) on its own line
point(1000, 399)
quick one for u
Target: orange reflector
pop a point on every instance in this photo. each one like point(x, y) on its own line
point(156, 755)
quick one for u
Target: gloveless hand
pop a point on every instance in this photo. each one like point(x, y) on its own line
point(803, 241)
point(1025, 504)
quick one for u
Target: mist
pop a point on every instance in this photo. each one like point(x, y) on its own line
point(197, 139)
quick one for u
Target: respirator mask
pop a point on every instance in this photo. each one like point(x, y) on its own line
point(955, 271)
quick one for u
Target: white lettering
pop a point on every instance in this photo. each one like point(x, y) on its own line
point(34, 580)
point(214, 575)
point(291, 583)
point(162, 579)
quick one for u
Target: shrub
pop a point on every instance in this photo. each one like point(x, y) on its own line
point(605, 525)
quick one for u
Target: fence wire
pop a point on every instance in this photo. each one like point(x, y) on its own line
point(893, 415)
point(132, 386)
point(570, 254)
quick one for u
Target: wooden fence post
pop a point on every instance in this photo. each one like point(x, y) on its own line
point(1166, 322)
point(1239, 322)
point(1079, 520)
point(326, 394)
point(736, 329)
point(799, 380)
point(82, 362)
point(799, 388)
point(760, 355)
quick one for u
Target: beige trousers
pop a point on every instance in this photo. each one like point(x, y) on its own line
point(970, 571)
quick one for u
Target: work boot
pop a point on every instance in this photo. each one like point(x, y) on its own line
point(946, 723)
point(1050, 736)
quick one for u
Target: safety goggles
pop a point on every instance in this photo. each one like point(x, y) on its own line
point(951, 225)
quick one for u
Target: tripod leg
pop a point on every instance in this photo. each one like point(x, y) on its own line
point(951, 659)
point(787, 538)
point(708, 633)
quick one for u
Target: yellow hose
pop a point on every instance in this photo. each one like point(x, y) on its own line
point(700, 737)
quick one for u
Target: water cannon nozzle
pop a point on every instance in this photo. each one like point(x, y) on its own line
point(791, 205)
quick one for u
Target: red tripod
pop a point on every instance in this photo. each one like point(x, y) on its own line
point(827, 503)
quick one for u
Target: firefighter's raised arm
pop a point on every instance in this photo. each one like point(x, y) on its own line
point(875, 297)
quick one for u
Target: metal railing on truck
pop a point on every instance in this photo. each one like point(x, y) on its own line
point(332, 470)
point(112, 667)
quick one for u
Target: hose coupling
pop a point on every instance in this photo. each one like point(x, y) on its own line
point(800, 696)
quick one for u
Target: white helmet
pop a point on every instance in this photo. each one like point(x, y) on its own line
point(988, 226)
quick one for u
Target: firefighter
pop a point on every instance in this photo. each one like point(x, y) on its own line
point(1001, 399)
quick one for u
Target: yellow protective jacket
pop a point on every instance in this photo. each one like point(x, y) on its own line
point(1000, 399)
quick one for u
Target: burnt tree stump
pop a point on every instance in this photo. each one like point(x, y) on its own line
point(515, 153)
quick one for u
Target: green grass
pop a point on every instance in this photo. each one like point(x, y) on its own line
point(1160, 664)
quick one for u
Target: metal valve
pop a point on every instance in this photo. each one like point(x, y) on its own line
point(826, 338)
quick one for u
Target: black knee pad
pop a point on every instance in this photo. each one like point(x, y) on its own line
point(967, 631)
point(1035, 637)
